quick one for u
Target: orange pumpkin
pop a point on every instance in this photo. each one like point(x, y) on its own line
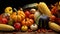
point(18, 16)
point(27, 22)
point(21, 13)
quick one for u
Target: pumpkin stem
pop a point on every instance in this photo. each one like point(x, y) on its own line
point(16, 10)
point(21, 9)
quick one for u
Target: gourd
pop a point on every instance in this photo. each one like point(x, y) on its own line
point(27, 22)
point(18, 15)
point(8, 10)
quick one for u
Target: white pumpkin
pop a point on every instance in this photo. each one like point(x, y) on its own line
point(33, 11)
point(33, 27)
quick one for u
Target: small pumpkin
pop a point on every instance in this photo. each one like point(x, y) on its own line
point(24, 28)
point(27, 22)
point(18, 16)
point(34, 27)
point(33, 11)
point(21, 13)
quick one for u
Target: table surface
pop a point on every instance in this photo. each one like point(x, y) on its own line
point(28, 33)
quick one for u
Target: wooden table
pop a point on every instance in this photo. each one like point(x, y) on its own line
point(28, 33)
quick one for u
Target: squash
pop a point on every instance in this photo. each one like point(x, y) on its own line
point(54, 26)
point(27, 22)
point(8, 10)
point(33, 27)
point(21, 13)
point(18, 16)
point(44, 9)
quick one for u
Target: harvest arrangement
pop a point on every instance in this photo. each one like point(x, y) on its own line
point(40, 19)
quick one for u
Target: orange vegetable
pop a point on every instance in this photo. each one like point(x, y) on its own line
point(27, 22)
point(18, 16)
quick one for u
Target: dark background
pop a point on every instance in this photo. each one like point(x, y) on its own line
point(21, 3)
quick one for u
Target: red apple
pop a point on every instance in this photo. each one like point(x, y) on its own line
point(17, 26)
point(6, 15)
point(27, 13)
point(0, 17)
point(3, 20)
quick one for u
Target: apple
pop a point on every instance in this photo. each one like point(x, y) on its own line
point(0, 17)
point(4, 21)
point(27, 13)
point(6, 15)
point(34, 27)
point(17, 26)
point(24, 28)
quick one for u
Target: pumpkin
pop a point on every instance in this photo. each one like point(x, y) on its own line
point(33, 27)
point(33, 11)
point(27, 22)
point(21, 13)
point(24, 28)
point(18, 16)
point(8, 10)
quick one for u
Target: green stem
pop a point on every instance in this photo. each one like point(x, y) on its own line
point(16, 10)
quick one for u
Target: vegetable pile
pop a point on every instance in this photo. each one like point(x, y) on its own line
point(40, 19)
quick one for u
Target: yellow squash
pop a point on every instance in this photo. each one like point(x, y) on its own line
point(8, 10)
point(4, 27)
point(54, 26)
point(18, 16)
point(44, 9)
